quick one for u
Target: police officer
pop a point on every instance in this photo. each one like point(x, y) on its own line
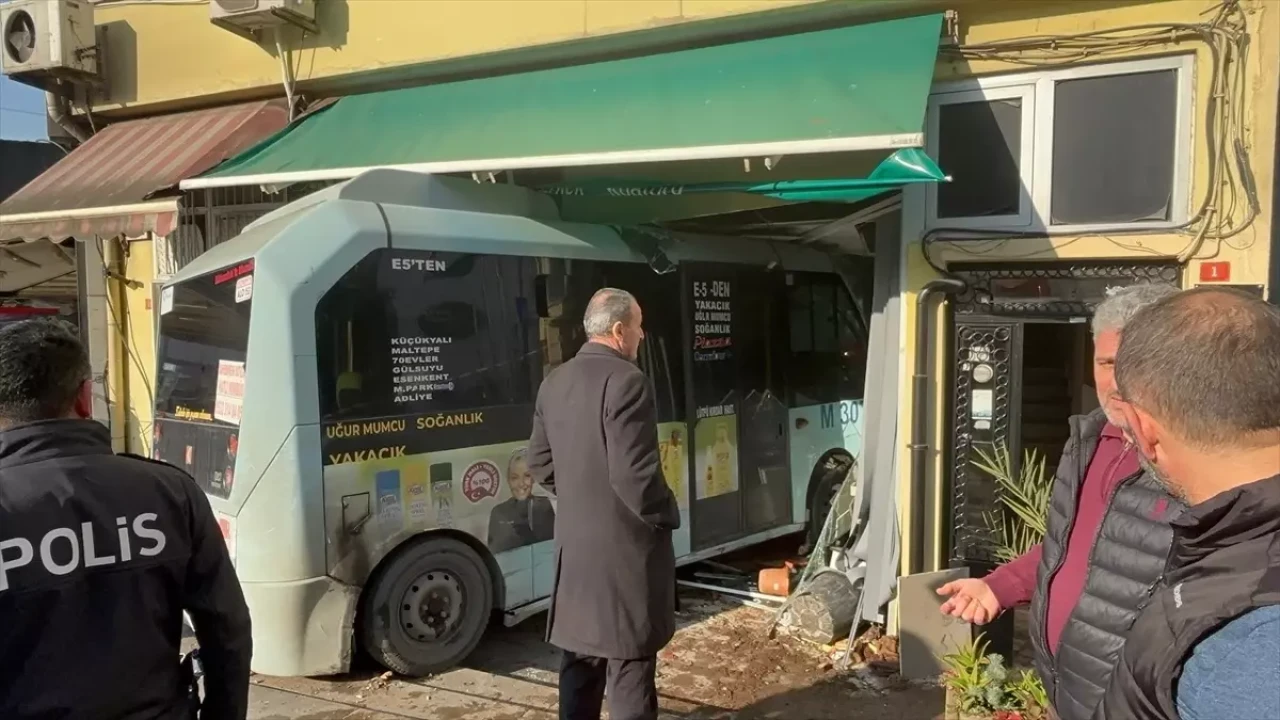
point(100, 554)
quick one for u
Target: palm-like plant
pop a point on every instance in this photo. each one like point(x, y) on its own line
point(1024, 499)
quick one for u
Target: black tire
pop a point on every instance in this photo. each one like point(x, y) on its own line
point(822, 495)
point(427, 608)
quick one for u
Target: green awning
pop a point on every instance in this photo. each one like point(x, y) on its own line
point(640, 201)
point(904, 167)
point(831, 91)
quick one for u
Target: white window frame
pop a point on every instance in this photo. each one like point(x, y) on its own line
point(1026, 94)
point(1036, 89)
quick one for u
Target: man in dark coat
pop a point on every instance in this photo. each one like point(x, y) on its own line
point(1200, 389)
point(595, 436)
point(100, 555)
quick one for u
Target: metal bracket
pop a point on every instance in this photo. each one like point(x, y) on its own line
point(356, 512)
point(950, 29)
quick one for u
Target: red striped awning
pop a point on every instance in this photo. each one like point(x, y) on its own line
point(129, 163)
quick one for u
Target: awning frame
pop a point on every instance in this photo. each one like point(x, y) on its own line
point(166, 205)
point(166, 211)
point(125, 177)
point(626, 157)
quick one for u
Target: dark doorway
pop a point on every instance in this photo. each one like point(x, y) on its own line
point(1057, 382)
point(1022, 365)
point(1017, 382)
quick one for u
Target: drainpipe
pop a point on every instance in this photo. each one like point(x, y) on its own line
point(919, 416)
point(1274, 260)
point(117, 352)
point(60, 113)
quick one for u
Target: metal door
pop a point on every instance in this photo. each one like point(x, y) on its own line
point(716, 515)
point(987, 372)
point(761, 337)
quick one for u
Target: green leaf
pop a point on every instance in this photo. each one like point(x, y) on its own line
point(1020, 519)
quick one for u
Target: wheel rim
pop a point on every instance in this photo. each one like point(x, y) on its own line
point(432, 607)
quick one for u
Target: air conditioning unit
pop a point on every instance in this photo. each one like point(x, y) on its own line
point(249, 17)
point(42, 41)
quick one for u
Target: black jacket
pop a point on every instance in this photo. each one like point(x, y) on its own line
point(1225, 561)
point(515, 523)
point(101, 554)
point(595, 436)
point(1125, 564)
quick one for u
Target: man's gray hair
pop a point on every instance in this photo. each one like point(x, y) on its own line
point(1122, 303)
point(607, 306)
point(1206, 364)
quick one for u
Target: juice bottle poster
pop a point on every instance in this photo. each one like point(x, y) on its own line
point(442, 493)
point(671, 449)
point(387, 492)
point(717, 455)
point(416, 489)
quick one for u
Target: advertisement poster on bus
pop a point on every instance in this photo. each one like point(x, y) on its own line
point(675, 466)
point(229, 398)
point(486, 491)
point(412, 484)
point(716, 455)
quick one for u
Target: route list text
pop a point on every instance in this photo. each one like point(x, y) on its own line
point(417, 371)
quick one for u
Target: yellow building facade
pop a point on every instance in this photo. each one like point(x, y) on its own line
point(164, 57)
point(1224, 200)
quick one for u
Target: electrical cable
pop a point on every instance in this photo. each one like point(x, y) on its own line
point(144, 431)
point(286, 70)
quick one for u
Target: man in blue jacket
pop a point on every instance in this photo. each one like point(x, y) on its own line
point(1198, 379)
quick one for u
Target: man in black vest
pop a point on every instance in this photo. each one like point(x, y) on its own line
point(1108, 535)
point(1198, 379)
point(100, 554)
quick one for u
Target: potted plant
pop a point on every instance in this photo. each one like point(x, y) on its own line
point(980, 687)
point(1019, 522)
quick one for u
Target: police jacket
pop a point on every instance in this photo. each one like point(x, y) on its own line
point(100, 554)
point(1124, 566)
point(1225, 561)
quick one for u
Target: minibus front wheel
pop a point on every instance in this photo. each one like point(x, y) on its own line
point(427, 607)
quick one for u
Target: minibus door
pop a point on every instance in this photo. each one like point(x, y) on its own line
point(716, 515)
point(759, 334)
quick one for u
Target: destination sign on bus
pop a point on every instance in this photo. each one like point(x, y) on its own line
point(233, 273)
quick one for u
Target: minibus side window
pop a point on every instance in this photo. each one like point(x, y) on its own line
point(827, 359)
point(409, 331)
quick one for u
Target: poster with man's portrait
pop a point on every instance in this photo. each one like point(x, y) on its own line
point(527, 516)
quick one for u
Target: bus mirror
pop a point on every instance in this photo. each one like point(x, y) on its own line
point(542, 304)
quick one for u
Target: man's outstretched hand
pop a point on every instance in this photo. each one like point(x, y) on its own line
point(971, 600)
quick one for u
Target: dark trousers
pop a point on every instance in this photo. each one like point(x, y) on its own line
point(631, 686)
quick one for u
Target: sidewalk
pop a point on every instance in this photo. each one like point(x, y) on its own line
point(720, 666)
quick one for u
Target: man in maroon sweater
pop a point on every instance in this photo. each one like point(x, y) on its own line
point(1107, 540)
